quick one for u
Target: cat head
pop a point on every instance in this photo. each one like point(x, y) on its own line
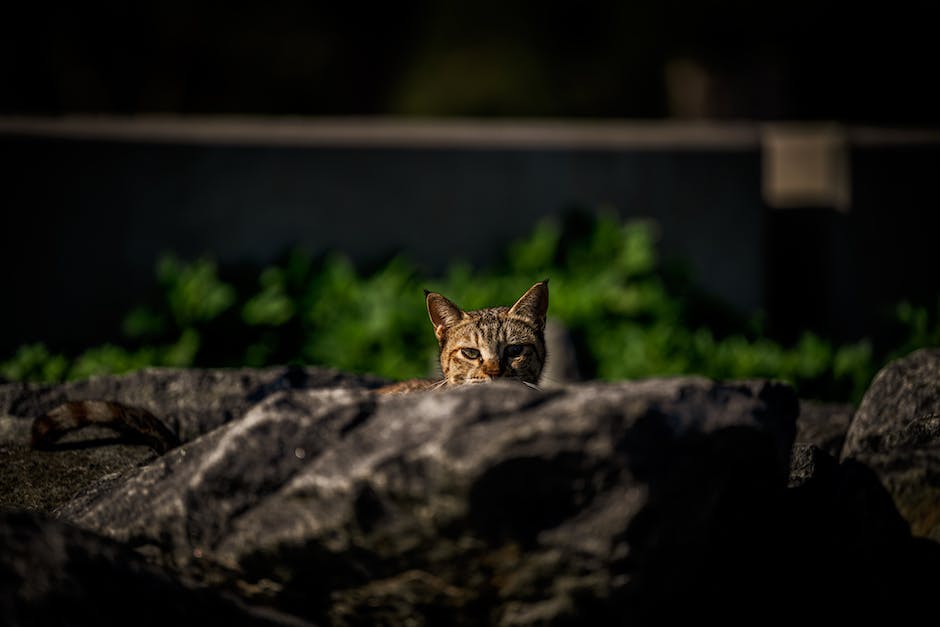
point(499, 342)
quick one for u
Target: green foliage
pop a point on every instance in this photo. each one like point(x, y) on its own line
point(629, 316)
point(34, 362)
point(922, 326)
point(194, 292)
point(366, 323)
point(272, 305)
point(609, 290)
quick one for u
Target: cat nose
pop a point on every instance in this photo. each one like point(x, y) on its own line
point(490, 367)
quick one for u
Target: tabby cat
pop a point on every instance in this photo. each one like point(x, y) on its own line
point(493, 343)
point(476, 346)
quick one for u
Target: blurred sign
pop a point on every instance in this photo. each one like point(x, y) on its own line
point(806, 166)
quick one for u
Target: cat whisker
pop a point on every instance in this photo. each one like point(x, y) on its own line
point(524, 382)
point(553, 382)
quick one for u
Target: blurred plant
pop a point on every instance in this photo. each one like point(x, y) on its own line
point(194, 292)
point(34, 362)
point(922, 328)
point(629, 315)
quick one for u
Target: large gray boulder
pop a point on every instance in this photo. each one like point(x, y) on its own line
point(896, 432)
point(496, 504)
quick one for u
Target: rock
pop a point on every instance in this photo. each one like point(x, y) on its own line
point(493, 504)
point(824, 424)
point(40, 481)
point(636, 502)
point(191, 401)
point(896, 432)
point(844, 540)
point(55, 574)
point(808, 461)
point(561, 365)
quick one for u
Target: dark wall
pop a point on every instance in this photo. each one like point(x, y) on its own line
point(84, 221)
point(844, 273)
point(87, 220)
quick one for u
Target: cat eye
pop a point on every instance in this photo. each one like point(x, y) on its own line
point(470, 353)
point(514, 350)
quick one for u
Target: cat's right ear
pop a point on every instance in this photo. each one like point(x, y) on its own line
point(534, 304)
point(443, 313)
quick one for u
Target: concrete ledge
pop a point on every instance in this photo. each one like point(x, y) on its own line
point(398, 132)
point(395, 132)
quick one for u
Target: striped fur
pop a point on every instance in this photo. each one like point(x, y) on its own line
point(493, 343)
point(133, 423)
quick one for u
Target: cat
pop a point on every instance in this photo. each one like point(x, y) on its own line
point(475, 347)
point(493, 343)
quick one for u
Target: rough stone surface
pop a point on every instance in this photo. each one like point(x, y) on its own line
point(808, 461)
point(851, 554)
point(644, 502)
point(40, 481)
point(824, 424)
point(896, 432)
point(55, 574)
point(495, 504)
point(190, 401)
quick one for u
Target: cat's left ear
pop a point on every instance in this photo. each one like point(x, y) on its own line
point(443, 313)
point(533, 304)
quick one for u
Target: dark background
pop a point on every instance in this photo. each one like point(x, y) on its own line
point(798, 59)
point(86, 219)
